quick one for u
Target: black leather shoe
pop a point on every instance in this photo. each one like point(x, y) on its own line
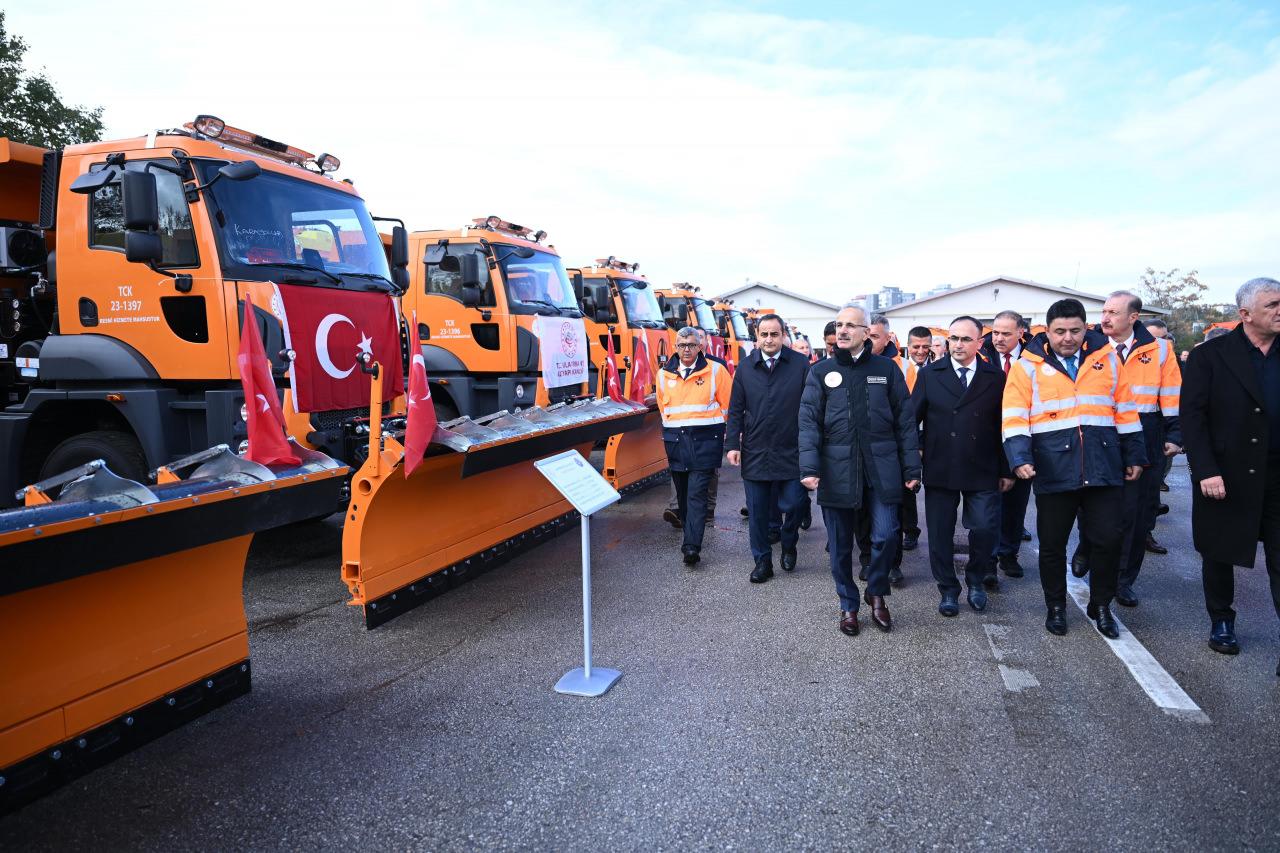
point(1056, 621)
point(1125, 596)
point(1164, 487)
point(895, 576)
point(1162, 510)
point(910, 543)
point(1079, 565)
point(672, 517)
point(977, 598)
point(806, 522)
point(849, 622)
point(1011, 567)
point(1101, 616)
point(949, 606)
point(1026, 535)
point(775, 536)
point(862, 574)
point(991, 581)
point(1222, 638)
point(744, 512)
point(1155, 547)
point(691, 556)
point(763, 570)
point(788, 561)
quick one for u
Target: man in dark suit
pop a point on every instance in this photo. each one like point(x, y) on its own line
point(1002, 347)
point(762, 437)
point(1230, 413)
point(958, 400)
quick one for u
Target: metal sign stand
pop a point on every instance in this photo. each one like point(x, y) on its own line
point(589, 493)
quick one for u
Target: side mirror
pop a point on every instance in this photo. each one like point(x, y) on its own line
point(469, 268)
point(604, 314)
point(577, 281)
point(141, 206)
point(588, 306)
point(470, 295)
point(142, 247)
point(241, 171)
point(90, 182)
point(399, 248)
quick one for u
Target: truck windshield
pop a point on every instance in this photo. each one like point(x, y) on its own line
point(537, 280)
point(706, 317)
point(641, 303)
point(274, 219)
point(739, 326)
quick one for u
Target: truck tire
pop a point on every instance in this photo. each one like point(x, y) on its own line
point(120, 450)
point(445, 410)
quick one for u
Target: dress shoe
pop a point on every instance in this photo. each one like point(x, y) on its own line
point(1101, 616)
point(806, 522)
point(1056, 621)
point(895, 576)
point(991, 581)
point(910, 543)
point(775, 536)
point(744, 512)
point(788, 561)
point(1125, 596)
point(978, 598)
point(1155, 547)
point(1026, 535)
point(1164, 487)
point(1079, 565)
point(1163, 509)
point(763, 570)
point(691, 556)
point(1010, 566)
point(849, 622)
point(862, 573)
point(1222, 638)
point(672, 517)
point(949, 606)
point(879, 611)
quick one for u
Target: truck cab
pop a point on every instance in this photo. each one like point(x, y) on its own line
point(739, 339)
point(683, 305)
point(616, 297)
point(479, 292)
point(129, 296)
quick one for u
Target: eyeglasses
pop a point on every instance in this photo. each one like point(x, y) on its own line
point(686, 346)
point(958, 340)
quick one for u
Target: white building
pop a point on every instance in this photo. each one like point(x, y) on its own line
point(807, 314)
point(984, 299)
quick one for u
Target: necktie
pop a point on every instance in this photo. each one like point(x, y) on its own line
point(768, 364)
point(1006, 364)
point(687, 371)
point(964, 377)
point(1120, 350)
point(1070, 365)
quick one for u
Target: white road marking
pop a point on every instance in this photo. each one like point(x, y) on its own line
point(1015, 680)
point(1153, 678)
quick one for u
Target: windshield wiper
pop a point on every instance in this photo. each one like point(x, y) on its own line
point(551, 305)
point(373, 276)
point(296, 266)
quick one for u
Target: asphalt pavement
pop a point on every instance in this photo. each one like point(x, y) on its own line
point(743, 718)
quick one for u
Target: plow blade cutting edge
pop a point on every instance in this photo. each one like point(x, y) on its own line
point(476, 501)
point(125, 602)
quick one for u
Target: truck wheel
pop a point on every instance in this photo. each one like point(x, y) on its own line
point(119, 450)
point(445, 410)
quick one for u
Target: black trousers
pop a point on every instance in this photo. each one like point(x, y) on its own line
point(1013, 515)
point(1220, 578)
point(979, 518)
point(1101, 510)
point(691, 497)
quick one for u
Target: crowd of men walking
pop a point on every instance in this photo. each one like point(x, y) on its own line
point(1089, 418)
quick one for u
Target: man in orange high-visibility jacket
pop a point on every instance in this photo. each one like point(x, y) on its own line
point(1149, 366)
point(693, 398)
point(1070, 423)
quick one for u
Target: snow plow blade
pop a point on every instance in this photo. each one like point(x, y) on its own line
point(475, 501)
point(125, 601)
point(635, 460)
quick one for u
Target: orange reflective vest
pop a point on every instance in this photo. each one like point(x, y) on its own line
point(1152, 372)
point(909, 370)
point(1075, 433)
point(700, 400)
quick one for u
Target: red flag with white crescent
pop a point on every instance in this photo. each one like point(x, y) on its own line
point(267, 442)
point(613, 381)
point(421, 422)
point(641, 372)
point(329, 331)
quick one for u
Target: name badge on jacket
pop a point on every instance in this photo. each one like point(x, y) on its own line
point(877, 380)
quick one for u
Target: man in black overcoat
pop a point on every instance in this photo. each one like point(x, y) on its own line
point(762, 437)
point(958, 401)
point(1230, 410)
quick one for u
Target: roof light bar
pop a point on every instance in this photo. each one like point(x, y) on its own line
point(496, 223)
point(613, 263)
point(213, 127)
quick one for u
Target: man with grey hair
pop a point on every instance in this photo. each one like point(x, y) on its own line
point(1002, 347)
point(1231, 421)
point(672, 513)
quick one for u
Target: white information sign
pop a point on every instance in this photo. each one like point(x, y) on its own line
point(562, 342)
point(581, 484)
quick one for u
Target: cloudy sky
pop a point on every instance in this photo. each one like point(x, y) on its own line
point(831, 148)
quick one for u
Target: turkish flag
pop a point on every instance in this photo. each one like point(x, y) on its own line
point(641, 372)
point(329, 330)
point(611, 372)
point(267, 443)
point(421, 422)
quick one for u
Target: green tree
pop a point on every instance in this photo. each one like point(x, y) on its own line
point(31, 110)
point(1183, 295)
